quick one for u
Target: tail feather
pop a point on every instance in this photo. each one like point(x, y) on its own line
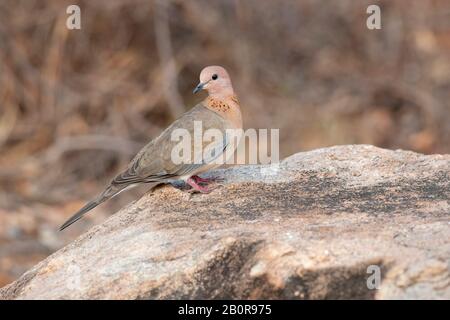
point(107, 194)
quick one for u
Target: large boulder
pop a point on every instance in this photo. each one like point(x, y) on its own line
point(323, 224)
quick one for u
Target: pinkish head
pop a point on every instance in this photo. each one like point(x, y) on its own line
point(216, 81)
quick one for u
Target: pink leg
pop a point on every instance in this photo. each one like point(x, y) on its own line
point(206, 180)
point(193, 183)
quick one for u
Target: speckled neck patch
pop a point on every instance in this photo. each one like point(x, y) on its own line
point(217, 104)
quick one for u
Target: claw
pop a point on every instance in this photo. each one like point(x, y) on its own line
point(196, 187)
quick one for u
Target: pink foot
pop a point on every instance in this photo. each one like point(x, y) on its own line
point(194, 184)
point(206, 180)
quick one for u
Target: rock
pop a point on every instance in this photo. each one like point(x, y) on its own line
point(321, 225)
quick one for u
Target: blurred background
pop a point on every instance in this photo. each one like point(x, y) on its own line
point(75, 105)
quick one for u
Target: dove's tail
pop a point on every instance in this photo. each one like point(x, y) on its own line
point(110, 192)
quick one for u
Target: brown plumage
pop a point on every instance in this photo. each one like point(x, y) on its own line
point(153, 165)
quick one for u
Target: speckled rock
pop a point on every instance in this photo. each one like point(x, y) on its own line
point(323, 224)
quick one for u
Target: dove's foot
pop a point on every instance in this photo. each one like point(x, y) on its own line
point(196, 187)
point(207, 180)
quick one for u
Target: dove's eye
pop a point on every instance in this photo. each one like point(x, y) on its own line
point(214, 76)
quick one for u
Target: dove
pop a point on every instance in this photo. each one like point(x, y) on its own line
point(153, 165)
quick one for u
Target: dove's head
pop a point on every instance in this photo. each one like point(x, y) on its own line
point(216, 81)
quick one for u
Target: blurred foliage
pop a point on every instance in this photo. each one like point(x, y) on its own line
point(75, 105)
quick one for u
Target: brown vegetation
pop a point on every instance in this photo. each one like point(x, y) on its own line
point(76, 104)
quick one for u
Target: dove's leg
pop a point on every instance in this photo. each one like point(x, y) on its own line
point(207, 180)
point(193, 183)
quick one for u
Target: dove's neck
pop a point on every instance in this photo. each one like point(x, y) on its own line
point(226, 106)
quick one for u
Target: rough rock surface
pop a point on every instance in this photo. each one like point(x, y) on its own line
point(308, 230)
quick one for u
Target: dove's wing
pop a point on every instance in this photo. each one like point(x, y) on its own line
point(154, 165)
point(154, 162)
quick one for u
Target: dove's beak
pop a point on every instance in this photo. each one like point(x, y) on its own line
point(200, 86)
